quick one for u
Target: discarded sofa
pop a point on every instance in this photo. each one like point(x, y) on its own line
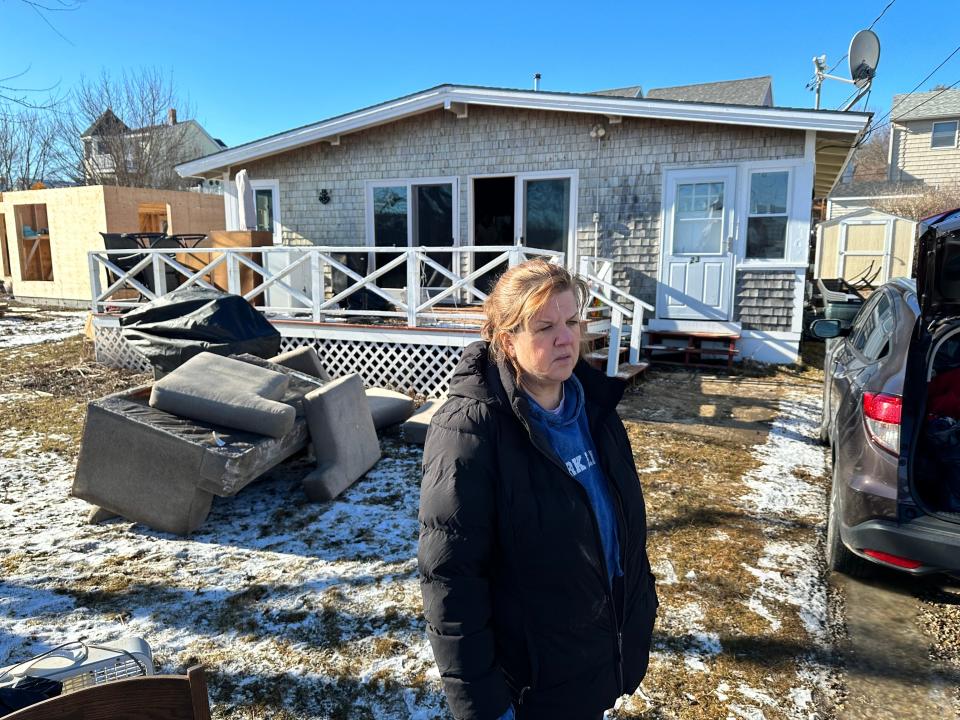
point(344, 439)
point(388, 407)
point(414, 430)
point(161, 469)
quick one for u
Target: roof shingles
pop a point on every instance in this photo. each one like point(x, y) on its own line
point(749, 91)
point(933, 104)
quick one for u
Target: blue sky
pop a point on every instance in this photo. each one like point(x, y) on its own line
point(255, 68)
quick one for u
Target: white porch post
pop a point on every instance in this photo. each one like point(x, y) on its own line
point(413, 285)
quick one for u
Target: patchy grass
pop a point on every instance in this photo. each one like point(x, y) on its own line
point(302, 610)
point(50, 384)
point(695, 437)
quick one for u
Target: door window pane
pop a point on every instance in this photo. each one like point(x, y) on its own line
point(390, 216)
point(698, 219)
point(547, 205)
point(767, 215)
point(433, 226)
point(390, 230)
point(263, 201)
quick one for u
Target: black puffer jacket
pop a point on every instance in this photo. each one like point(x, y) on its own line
point(515, 589)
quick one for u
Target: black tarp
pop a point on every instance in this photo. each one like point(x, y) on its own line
point(172, 329)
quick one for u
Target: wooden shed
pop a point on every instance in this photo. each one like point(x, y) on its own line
point(45, 235)
point(864, 242)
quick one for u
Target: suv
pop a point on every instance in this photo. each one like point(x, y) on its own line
point(891, 414)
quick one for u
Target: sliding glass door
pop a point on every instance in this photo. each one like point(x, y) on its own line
point(412, 213)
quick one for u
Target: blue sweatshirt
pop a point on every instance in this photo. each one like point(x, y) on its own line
point(569, 435)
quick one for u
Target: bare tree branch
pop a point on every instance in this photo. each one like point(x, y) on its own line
point(115, 130)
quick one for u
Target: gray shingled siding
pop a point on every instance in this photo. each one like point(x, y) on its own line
point(496, 140)
point(764, 300)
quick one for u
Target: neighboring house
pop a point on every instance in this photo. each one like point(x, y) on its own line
point(848, 197)
point(750, 91)
point(923, 138)
point(114, 153)
point(924, 154)
point(865, 244)
point(704, 207)
point(45, 234)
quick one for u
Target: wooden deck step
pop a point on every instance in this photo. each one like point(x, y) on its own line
point(598, 326)
point(598, 358)
point(630, 371)
point(593, 313)
point(592, 339)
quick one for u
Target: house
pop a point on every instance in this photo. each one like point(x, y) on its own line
point(114, 153)
point(923, 138)
point(749, 91)
point(849, 197)
point(45, 235)
point(923, 155)
point(703, 208)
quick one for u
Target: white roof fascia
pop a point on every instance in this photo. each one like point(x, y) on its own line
point(314, 133)
point(872, 197)
point(852, 123)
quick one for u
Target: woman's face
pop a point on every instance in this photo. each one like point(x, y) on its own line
point(548, 348)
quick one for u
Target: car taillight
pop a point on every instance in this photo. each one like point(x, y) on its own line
point(882, 415)
point(895, 560)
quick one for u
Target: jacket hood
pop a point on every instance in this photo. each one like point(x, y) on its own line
point(478, 378)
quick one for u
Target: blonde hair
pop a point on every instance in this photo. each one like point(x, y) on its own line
point(519, 294)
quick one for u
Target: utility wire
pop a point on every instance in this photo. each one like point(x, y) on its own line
point(837, 63)
point(918, 105)
point(902, 100)
point(882, 13)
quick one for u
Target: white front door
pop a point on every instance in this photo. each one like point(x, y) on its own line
point(696, 270)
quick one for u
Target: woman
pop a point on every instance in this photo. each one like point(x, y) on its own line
point(536, 585)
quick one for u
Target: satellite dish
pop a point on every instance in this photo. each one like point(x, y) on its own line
point(864, 55)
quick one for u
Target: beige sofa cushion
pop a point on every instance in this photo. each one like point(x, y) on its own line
point(227, 392)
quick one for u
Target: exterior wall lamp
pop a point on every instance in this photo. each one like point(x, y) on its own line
point(324, 196)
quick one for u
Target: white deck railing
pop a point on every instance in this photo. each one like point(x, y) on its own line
point(624, 307)
point(146, 272)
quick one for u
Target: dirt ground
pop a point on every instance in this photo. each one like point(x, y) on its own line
point(694, 434)
point(734, 638)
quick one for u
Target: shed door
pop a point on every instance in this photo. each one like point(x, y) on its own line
point(696, 274)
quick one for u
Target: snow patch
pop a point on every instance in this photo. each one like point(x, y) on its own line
point(664, 572)
point(17, 331)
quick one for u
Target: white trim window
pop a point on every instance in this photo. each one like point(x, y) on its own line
point(768, 212)
point(943, 134)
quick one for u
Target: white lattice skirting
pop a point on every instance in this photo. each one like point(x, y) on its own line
point(418, 369)
point(110, 348)
point(410, 368)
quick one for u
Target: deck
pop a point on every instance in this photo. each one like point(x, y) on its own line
point(402, 324)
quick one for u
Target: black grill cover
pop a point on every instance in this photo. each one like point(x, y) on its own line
point(172, 329)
